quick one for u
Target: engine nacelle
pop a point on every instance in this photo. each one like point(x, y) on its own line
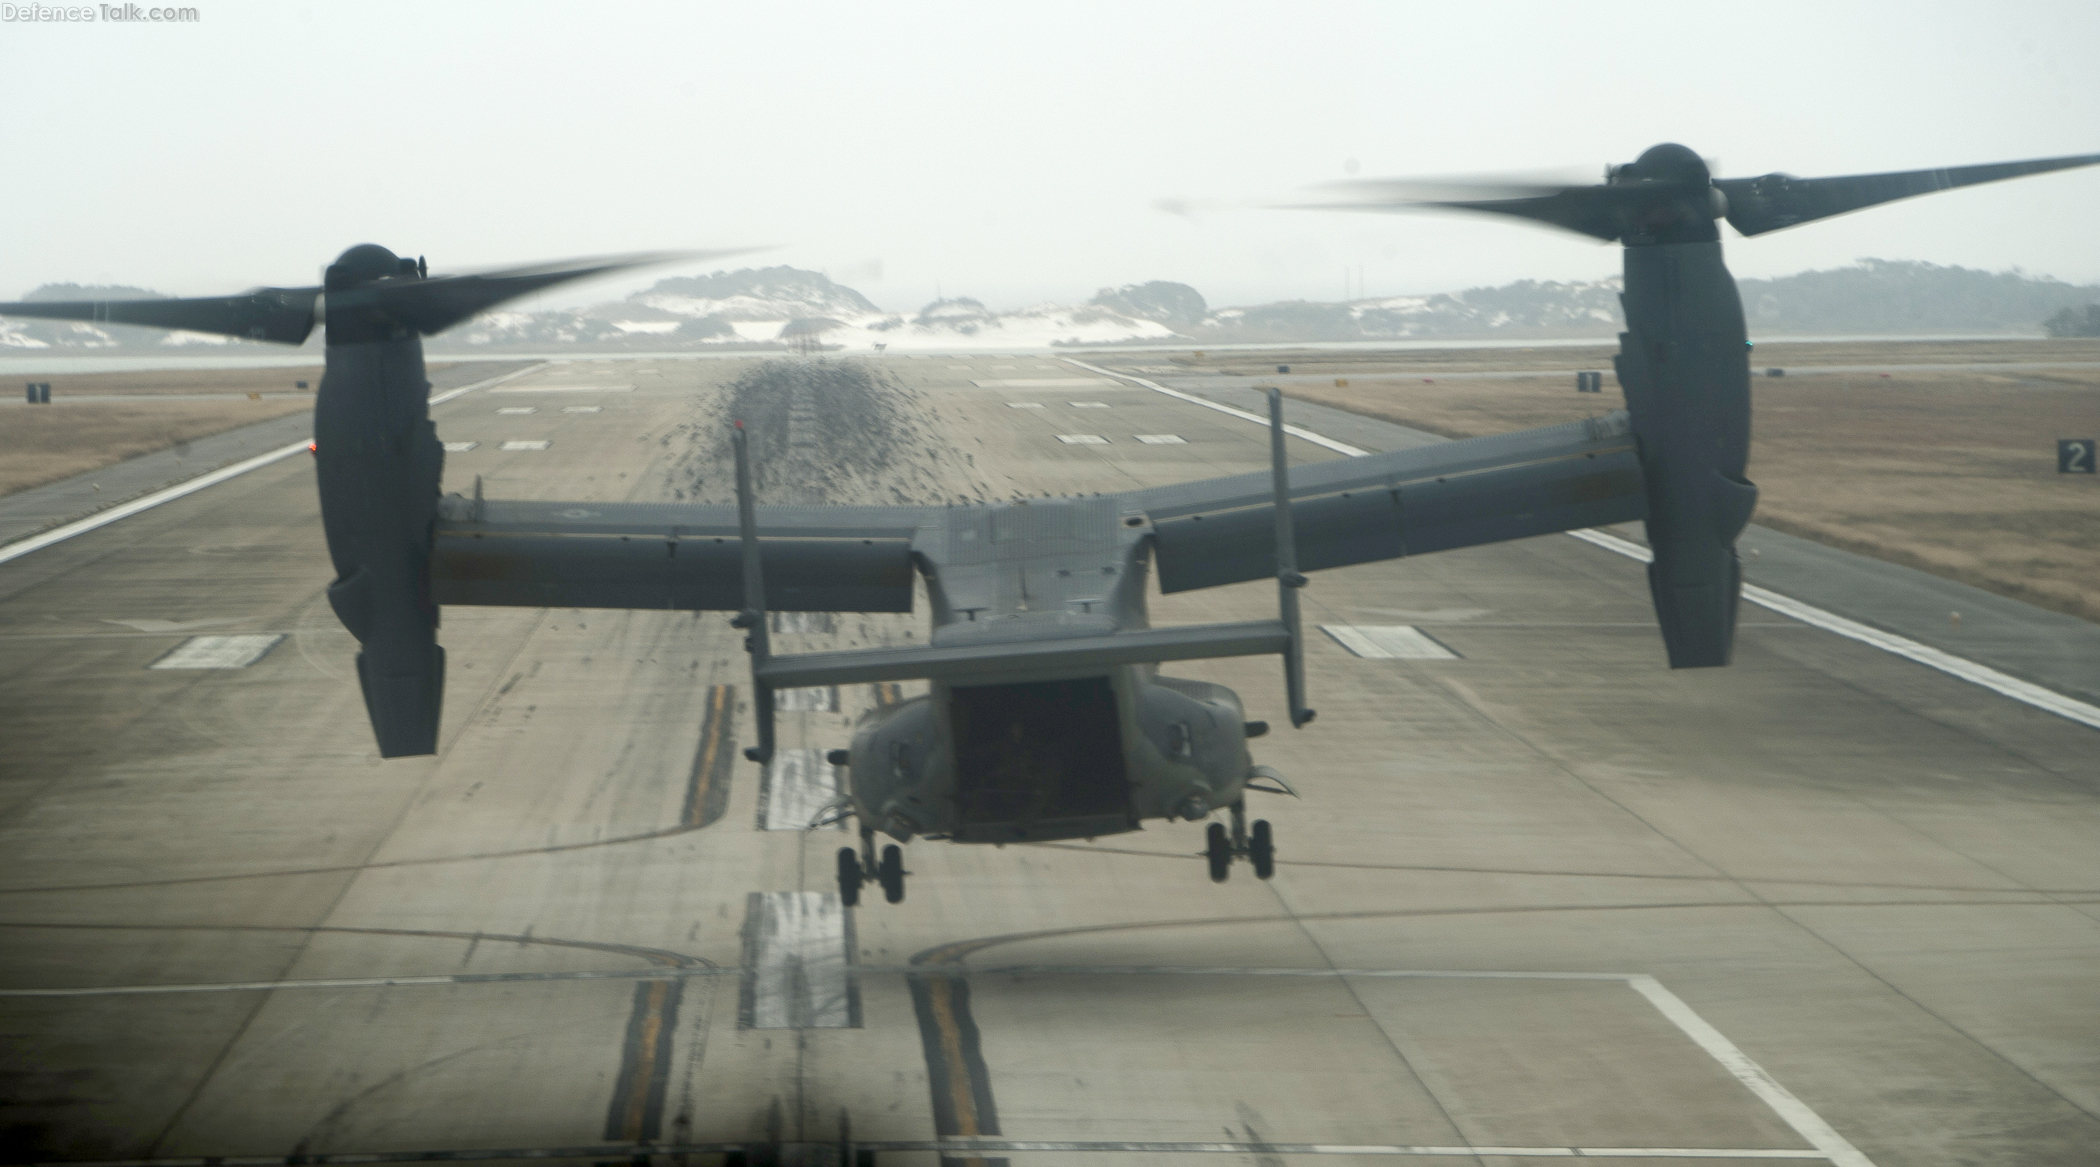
point(1684, 363)
point(379, 463)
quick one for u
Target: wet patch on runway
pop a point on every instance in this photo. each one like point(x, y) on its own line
point(795, 789)
point(707, 786)
point(1389, 642)
point(218, 652)
point(798, 963)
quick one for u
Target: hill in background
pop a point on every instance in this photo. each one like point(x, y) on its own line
point(775, 307)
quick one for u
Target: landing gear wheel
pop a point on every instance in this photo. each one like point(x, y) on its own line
point(1261, 849)
point(1219, 852)
point(850, 876)
point(891, 874)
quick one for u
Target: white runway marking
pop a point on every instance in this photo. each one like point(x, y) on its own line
point(173, 625)
point(459, 447)
point(1294, 430)
point(1388, 642)
point(582, 408)
point(22, 547)
point(566, 389)
point(524, 445)
point(1082, 439)
point(2030, 694)
point(795, 788)
point(803, 621)
point(1024, 405)
point(1045, 383)
point(1088, 404)
point(1161, 439)
point(798, 973)
point(219, 652)
point(518, 410)
point(816, 699)
point(2047, 700)
point(1805, 1122)
point(798, 963)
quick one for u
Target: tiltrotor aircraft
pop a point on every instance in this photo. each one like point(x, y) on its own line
point(1047, 717)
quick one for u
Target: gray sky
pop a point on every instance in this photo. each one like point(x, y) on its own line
point(1011, 152)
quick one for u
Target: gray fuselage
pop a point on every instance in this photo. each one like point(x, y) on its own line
point(1044, 753)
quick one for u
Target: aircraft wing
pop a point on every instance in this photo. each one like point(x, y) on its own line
point(1207, 533)
point(661, 555)
point(1407, 502)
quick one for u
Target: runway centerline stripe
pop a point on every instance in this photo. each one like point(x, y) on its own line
point(707, 787)
point(956, 1074)
point(2027, 693)
point(60, 534)
point(637, 1109)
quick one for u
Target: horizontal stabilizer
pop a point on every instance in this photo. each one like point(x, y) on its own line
point(977, 663)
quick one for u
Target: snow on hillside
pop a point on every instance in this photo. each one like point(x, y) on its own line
point(771, 306)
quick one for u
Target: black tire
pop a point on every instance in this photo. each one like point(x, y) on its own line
point(1261, 849)
point(891, 874)
point(1219, 852)
point(850, 877)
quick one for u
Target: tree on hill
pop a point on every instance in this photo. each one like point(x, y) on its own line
point(2074, 322)
point(1904, 296)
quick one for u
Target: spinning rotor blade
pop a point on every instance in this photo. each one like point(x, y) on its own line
point(1600, 212)
point(436, 304)
point(288, 315)
point(278, 315)
point(1773, 201)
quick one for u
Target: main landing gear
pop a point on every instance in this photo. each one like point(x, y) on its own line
point(1257, 847)
point(859, 867)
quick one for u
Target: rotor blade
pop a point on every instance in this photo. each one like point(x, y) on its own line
point(1773, 201)
point(278, 315)
point(436, 304)
point(1596, 211)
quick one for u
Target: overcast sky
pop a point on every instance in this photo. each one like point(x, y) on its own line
point(1012, 152)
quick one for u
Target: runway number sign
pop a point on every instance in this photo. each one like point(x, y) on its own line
point(2075, 455)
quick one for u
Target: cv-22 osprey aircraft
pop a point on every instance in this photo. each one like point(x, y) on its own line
point(1047, 716)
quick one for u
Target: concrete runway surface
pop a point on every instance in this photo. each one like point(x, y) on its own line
point(1542, 898)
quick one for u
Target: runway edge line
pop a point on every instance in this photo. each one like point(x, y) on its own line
point(60, 534)
point(2005, 685)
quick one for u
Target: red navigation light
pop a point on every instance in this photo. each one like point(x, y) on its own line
point(314, 448)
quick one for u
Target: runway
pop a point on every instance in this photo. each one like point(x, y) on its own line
point(1542, 897)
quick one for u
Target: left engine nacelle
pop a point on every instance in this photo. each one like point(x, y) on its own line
point(380, 465)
